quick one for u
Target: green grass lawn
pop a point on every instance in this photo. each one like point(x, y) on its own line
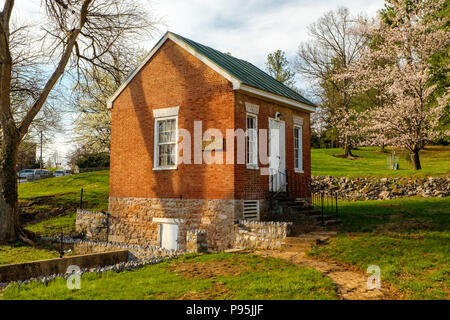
point(65, 192)
point(19, 252)
point(372, 162)
point(67, 189)
point(54, 226)
point(213, 276)
point(409, 239)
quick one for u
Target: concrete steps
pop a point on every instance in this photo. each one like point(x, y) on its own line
point(304, 216)
point(305, 241)
point(332, 222)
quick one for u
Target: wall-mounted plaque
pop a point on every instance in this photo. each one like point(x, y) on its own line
point(214, 144)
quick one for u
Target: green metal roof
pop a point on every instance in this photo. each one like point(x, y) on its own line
point(245, 72)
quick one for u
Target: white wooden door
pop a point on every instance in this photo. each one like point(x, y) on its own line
point(277, 154)
point(169, 236)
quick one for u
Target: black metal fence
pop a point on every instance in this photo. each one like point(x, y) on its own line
point(326, 203)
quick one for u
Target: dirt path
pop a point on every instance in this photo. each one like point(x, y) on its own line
point(350, 285)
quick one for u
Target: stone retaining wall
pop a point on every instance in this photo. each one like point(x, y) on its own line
point(92, 225)
point(382, 188)
point(260, 235)
point(25, 271)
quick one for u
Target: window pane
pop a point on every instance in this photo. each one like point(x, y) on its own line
point(249, 123)
point(298, 153)
point(171, 154)
point(167, 131)
point(166, 142)
point(252, 141)
point(161, 155)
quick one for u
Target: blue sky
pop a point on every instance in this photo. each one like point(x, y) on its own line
point(248, 29)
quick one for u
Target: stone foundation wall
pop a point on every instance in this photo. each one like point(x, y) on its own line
point(196, 241)
point(260, 235)
point(92, 225)
point(132, 220)
point(382, 188)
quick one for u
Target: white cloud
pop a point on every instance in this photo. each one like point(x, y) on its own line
point(251, 29)
point(248, 29)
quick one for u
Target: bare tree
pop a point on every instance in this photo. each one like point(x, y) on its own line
point(93, 123)
point(333, 48)
point(78, 35)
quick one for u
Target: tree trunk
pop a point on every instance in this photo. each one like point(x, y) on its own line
point(9, 215)
point(415, 160)
point(347, 148)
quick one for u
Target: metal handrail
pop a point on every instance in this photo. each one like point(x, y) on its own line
point(276, 184)
point(299, 186)
point(292, 184)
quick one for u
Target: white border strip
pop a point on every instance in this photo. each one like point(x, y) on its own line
point(166, 112)
point(275, 97)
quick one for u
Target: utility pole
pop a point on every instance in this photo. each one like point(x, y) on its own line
point(40, 162)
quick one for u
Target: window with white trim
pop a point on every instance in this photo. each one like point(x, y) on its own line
point(298, 148)
point(166, 143)
point(252, 141)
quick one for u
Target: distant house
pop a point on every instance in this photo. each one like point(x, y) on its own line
point(186, 87)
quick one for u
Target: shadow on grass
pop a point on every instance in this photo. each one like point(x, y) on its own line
point(399, 215)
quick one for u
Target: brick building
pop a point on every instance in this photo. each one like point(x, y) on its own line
point(183, 86)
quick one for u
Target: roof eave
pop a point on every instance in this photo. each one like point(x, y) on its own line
point(275, 97)
point(237, 84)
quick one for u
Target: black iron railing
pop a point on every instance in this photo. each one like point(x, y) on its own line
point(326, 203)
point(298, 186)
point(277, 182)
point(290, 184)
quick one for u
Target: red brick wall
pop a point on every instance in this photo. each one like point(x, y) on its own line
point(172, 78)
point(250, 184)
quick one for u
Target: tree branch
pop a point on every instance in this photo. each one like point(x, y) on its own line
point(66, 54)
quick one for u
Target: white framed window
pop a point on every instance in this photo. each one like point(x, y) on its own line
point(166, 137)
point(252, 141)
point(298, 149)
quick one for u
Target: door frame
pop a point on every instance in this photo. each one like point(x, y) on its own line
point(278, 173)
point(161, 233)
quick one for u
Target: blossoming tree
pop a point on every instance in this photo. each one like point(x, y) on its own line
point(399, 63)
